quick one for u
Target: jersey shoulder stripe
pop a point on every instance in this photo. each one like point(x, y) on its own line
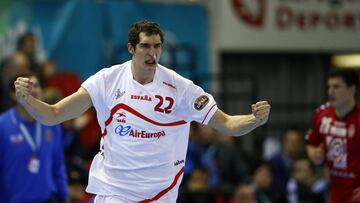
point(138, 114)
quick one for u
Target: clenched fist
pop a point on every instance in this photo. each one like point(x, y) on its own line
point(261, 111)
point(25, 86)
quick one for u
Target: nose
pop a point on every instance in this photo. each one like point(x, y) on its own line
point(330, 91)
point(152, 52)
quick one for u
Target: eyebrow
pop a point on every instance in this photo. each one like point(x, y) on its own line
point(145, 43)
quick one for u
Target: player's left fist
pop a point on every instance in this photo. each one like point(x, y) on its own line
point(261, 111)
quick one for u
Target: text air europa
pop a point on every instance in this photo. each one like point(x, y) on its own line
point(127, 130)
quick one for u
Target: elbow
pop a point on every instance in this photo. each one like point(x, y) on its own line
point(228, 128)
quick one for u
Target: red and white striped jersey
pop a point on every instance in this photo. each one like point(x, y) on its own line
point(145, 132)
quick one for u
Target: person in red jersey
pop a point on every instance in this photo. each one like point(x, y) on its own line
point(335, 136)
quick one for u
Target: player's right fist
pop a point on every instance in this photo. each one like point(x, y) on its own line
point(23, 88)
point(261, 111)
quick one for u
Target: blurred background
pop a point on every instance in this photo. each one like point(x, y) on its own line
point(241, 51)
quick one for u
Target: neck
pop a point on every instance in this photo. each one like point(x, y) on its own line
point(345, 109)
point(142, 76)
point(23, 113)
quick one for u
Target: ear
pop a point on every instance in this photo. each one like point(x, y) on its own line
point(130, 48)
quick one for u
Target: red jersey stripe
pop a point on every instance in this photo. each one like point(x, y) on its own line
point(138, 114)
point(166, 190)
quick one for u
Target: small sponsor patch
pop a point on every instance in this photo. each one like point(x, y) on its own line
point(179, 162)
point(201, 102)
point(119, 94)
point(122, 130)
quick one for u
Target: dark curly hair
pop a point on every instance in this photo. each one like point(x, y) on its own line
point(148, 27)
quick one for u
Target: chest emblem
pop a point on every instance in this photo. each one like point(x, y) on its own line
point(201, 102)
point(119, 93)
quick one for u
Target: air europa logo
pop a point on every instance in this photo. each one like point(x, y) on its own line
point(126, 130)
point(252, 12)
point(122, 130)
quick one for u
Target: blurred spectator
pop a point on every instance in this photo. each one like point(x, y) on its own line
point(197, 188)
point(233, 166)
point(15, 64)
point(201, 153)
point(244, 193)
point(46, 70)
point(271, 146)
point(198, 180)
point(12, 66)
point(293, 147)
point(32, 167)
point(27, 44)
point(305, 185)
point(54, 79)
point(77, 174)
point(217, 154)
point(261, 183)
point(52, 96)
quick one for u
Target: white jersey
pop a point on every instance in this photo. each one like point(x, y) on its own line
point(145, 132)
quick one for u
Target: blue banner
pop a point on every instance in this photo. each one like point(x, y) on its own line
point(85, 36)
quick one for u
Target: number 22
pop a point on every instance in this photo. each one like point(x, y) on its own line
point(159, 107)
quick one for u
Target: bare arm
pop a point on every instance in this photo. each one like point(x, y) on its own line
point(66, 109)
point(241, 124)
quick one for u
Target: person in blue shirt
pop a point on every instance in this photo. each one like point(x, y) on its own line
point(32, 166)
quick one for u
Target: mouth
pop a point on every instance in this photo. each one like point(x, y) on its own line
point(331, 99)
point(150, 62)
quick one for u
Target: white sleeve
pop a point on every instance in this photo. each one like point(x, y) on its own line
point(95, 86)
point(197, 105)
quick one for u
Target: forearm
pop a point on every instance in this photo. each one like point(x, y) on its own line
point(240, 125)
point(234, 125)
point(40, 111)
point(66, 109)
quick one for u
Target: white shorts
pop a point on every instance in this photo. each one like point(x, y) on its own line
point(110, 199)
